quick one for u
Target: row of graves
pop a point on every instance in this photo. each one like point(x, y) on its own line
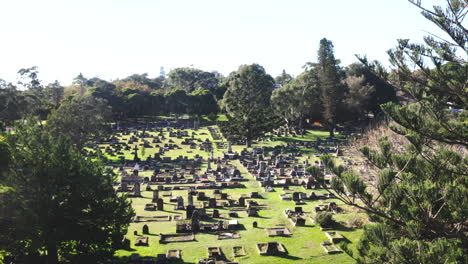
point(125, 140)
point(197, 219)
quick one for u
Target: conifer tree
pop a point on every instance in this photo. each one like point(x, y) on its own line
point(247, 103)
point(420, 203)
point(332, 90)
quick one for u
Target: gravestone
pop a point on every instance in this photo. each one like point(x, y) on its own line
point(137, 189)
point(212, 202)
point(155, 196)
point(160, 204)
point(189, 211)
point(123, 187)
point(254, 224)
point(190, 199)
point(251, 212)
point(195, 221)
point(145, 230)
point(215, 213)
point(180, 203)
point(242, 201)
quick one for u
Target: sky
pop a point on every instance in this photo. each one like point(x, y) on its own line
point(113, 39)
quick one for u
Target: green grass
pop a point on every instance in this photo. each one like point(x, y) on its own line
point(303, 246)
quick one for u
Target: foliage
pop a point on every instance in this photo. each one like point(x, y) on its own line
point(80, 119)
point(420, 201)
point(332, 90)
point(247, 103)
point(62, 205)
point(324, 219)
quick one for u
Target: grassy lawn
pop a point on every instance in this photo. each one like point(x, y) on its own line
point(303, 246)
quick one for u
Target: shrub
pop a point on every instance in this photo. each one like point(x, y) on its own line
point(324, 219)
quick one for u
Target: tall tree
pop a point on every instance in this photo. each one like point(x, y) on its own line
point(80, 119)
point(297, 100)
point(62, 206)
point(201, 102)
point(284, 78)
point(420, 202)
point(332, 90)
point(247, 102)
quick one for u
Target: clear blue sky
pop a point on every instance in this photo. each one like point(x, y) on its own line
point(115, 38)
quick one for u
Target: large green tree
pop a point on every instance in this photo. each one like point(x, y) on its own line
point(298, 100)
point(60, 206)
point(247, 103)
point(332, 89)
point(80, 118)
point(420, 202)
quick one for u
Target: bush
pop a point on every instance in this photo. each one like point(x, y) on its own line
point(324, 219)
point(356, 221)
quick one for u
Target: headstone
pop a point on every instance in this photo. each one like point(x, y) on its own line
point(189, 211)
point(242, 201)
point(135, 233)
point(195, 221)
point(212, 202)
point(190, 199)
point(155, 196)
point(251, 212)
point(180, 203)
point(160, 204)
point(215, 213)
point(229, 147)
point(254, 224)
point(137, 189)
point(145, 230)
point(123, 187)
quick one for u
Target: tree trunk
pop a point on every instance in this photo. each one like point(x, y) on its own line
point(332, 133)
point(52, 255)
point(249, 143)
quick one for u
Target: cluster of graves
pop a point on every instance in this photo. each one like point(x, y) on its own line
point(206, 188)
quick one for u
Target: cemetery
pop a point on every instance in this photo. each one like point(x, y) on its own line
point(187, 186)
point(349, 159)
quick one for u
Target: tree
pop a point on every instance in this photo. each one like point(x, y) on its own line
point(284, 78)
point(12, 103)
point(190, 79)
point(374, 75)
point(61, 206)
point(357, 99)
point(332, 90)
point(297, 100)
point(247, 103)
point(201, 102)
point(420, 201)
point(80, 118)
point(176, 102)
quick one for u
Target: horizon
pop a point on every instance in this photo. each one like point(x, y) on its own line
point(114, 39)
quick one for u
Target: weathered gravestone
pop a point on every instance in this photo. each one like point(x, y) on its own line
point(212, 202)
point(155, 196)
point(160, 204)
point(242, 201)
point(145, 230)
point(189, 211)
point(137, 189)
point(190, 199)
point(180, 203)
point(215, 213)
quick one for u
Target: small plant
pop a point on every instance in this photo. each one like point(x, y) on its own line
point(324, 219)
